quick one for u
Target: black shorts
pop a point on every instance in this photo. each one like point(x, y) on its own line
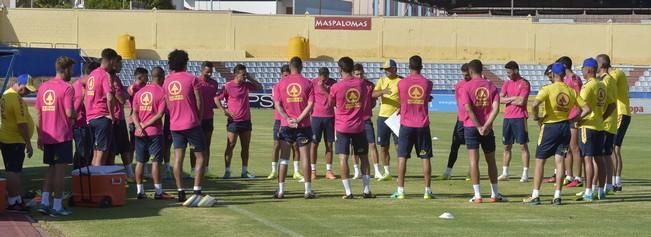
point(208, 125)
point(370, 131)
point(101, 130)
point(622, 126)
point(194, 136)
point(345, 140)
point(457, 134)
point(239, 126)
point(515, 131)
point(57, 154)
point(120, 143)
point(323, 127)
point(149, 146)
point(300, 136)
point(83, 143)
point(591, 142)
point(276, 130)
point(474, 140)
point(13, 155)
point(554, 139)
point(609, 143)
point(421, 138)
point(384, 133)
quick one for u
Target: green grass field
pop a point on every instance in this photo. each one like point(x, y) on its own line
point(246, 207)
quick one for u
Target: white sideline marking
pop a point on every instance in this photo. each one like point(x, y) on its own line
point(264, 221)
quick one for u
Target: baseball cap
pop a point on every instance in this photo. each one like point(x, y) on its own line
point(27, 81)
point(590, 62)
point(389, 64)
point(558, 68)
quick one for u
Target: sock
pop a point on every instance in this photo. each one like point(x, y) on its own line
point(428, 190)
point(227, 169)
point(588, 191)
point(401, 189)
point(505, 170)
point(296, 167)
point(281, 187)
point(313, 166)
point(475, 187)
point(377, 169)
point(356, 168)
point(535, 193)
point(618, 181)
point(346, 183)
point(329, 167)
point(557, 193)
point(308, 187)
point(386, 170)
point(45, 199)
point(274, 166)
point(159, 188)
point(494, 190)
point(244, 170)
point(140, 188)
point(179, 189)
point(525, 172)
point(57, 204)
point(197, 190)
point(594, 187)
point(448, 172)
point(367, 184)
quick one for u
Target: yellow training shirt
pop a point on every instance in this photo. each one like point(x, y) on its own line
point(14, 112)
point(390, 102)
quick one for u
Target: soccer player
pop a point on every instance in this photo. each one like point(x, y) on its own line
point(294, 99)
point(610, 122)
point(358, 71)
point(208, 91)
point(481, 101)
point(99, 102)
point(623, 119)
point(158, 74)
point(56, 116)
point(80, 131)
point(323, 121)
point(148, 109)
point(184, 103)
point(573, 158)
point(457, 133)
point(515, 94)
point(594, 93)
point(16, 132)
point(414, 91)
point(236, 93)
point(140, 80)
point(347, 96)
point(284, 72)
point(559, 100)
point(120, 139)
point(387, 88)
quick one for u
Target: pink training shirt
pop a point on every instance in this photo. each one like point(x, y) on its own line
point(131, 91)
point(480, 94)
point(179, 89)
point(78, 87)
point(118, 109)
point(293, 93)
point(458, 90)
point(53, 99)
point(149, 101)
point(348, 95)
point(208, 92)
point(321, 108)
point(237, 99)
point(368, 105)
point(575, 83)
point(519, 87)
point(98, 86)
point(414, 91)
point(275, 98)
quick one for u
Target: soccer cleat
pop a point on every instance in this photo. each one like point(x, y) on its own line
point(442, 177)
point(386, 177)
point(617, 188)
point(310, 195)
point(551, 179)
point(348, 197)
point(141, 196)
point(532, 200)
point(557, 201)
point(368, 195)
point(377, 176)
point(227, 175)
point(428, 195)
point(59, 213)
point(397, 195)
point(575, 183)
point(297, 175)
point(585, 198)
point(600, 195)
point(503, 178)
point(476, 200)
point(278, 195)
point(273, 175)
point(579, 194)
point(524, 179)
point(330, 175)
point(313, 174)
point(207, 201)
point(468, 178)
point(499, 198)
point(193, 201)
point(45, 210)
point(247, 175)
point(162, 196)
point(181, 196)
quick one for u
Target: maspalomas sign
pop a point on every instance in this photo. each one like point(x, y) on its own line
point(342, 23)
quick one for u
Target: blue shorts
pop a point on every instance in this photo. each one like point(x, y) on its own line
point(384, 133)
point(238, 127)
point(514, 130)
point(57, 154)
point(474, 140)
point(149, 146)
point(194, 136)
point(622, 127)
point(13, 155)
point(300, 136)
point(323, 127)
point(458, 136)
point(370, 131)
point(276, 130)
point(419, 137)
point(591, 142)
point(120, 139)
point(554, 139)
point(357, 140)
point(83, 144)
point(101, 130)
point(609, 143)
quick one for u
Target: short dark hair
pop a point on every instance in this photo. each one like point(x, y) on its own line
point(346, 64)
point(177, 60)
point(464, 67)
point(90, 67)
point(207, 64)
point(296, 63)
point(140, 71)
point(63, 63)
point(158, 69)
point(324, 71)
point(358, 67)
point(475, 66)
point(548, 70)
point(566, 61)
point(604, 59)
point(416, 63)
point(285, 68)
point(109, 54)
point(512, 65)
point(239, 67)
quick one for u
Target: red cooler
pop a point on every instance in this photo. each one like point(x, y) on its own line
point(98, 186)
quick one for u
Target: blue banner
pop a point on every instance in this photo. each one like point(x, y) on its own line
point(443, 103)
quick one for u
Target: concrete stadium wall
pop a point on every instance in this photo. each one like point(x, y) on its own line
point(226, 36)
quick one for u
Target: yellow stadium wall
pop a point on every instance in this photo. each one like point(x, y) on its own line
point(226, 36)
